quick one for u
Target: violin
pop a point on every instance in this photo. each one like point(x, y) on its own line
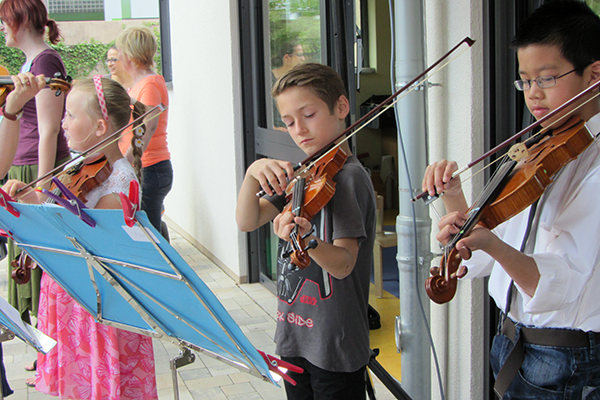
point(80, 179)
point(514, 187)
point(59, 83)
point(307, 195)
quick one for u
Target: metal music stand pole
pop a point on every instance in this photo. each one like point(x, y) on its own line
point(184, 358)
point(389, 381)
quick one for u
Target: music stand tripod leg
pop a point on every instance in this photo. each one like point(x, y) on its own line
point(184, 358)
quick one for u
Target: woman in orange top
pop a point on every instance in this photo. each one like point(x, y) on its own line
point(137, 46)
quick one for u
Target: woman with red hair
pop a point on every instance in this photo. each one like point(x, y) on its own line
point(42, 144)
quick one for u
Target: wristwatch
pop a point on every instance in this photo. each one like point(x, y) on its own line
point(12, 117)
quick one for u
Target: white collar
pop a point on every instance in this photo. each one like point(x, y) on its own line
point(593, 124)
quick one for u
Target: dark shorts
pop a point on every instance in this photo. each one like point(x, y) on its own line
point(317, 383)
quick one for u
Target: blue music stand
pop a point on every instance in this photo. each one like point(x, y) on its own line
point(131, 278)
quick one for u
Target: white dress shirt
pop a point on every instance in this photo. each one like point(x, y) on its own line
point(566, 250)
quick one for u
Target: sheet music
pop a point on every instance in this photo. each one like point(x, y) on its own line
point(10, 318)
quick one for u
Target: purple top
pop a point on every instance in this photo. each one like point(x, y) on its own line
point(48, 62)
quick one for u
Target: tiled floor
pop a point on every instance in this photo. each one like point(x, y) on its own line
point(252, 306)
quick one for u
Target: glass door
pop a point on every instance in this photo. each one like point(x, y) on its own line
point(276, 35)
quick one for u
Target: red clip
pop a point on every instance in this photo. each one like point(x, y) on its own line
point(275, 365)
point(6, 234)
point(131, 204)
point(4, 199)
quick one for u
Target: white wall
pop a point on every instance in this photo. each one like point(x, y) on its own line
point(112, 10)
point(144, 9)
point(205, 129)
point(139, 9)
point(456, 133)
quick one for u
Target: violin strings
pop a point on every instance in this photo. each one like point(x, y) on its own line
point(541, 131)
point(475, 173)
point(115, 136)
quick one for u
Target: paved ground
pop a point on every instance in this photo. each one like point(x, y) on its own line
point(252, 306)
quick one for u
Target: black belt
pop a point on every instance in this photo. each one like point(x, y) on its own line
point(538, 336)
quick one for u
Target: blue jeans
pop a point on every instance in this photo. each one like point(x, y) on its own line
point(317, 383)
point(157, 181)
point(550, 373)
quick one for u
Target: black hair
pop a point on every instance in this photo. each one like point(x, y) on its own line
point(569, 25)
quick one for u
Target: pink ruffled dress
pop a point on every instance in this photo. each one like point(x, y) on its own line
point(91, 360)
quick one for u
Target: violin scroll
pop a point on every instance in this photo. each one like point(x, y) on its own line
point(441, 285)
point(298, 253)
point(22, 266)
point(59, 83)
point(299, 256)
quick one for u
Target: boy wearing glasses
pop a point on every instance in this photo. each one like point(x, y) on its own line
point(544, 264)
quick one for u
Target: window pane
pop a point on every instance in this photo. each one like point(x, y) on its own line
point(293, 37)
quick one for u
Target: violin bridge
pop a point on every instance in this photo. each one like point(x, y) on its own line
point(518, 151)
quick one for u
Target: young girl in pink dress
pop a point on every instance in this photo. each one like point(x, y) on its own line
point(91, 360)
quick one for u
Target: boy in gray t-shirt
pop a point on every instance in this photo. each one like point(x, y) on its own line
point(322, 313)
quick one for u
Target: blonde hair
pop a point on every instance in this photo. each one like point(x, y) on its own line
point(139, 44)
point(118, 106)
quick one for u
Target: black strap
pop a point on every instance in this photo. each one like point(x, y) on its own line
point(523, 245)
point(516, 357)
point(509, 368)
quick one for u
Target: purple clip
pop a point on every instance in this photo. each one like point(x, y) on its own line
point(72, 203)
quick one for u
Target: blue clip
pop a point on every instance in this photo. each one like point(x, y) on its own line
point(72, 203)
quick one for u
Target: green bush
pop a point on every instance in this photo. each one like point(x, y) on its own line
point(80, 59)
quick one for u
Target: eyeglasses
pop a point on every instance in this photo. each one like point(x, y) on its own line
point(111, 60)
point(543, 82)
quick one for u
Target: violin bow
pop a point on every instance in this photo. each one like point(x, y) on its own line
point(517, 135)
point(412, 85)
point(375, 112)
point(99, 146)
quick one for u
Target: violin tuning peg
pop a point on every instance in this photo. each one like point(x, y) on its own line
point(434, 270)
point(311, 245)
point(462, 272)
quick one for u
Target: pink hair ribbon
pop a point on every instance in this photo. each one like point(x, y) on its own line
point(100, 93)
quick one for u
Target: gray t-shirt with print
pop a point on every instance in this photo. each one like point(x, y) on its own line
point(321, 318)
